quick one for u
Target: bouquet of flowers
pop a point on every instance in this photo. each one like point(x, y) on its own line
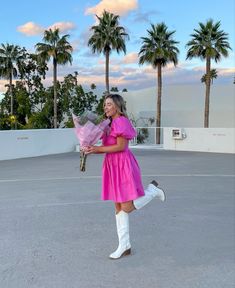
point(89, 128)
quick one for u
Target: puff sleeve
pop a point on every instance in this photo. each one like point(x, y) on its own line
point(122, 126)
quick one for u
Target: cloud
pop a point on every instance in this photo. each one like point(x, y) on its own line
point(227, 71)
point(75, 44)
point(84, 36)
point(130, 76)
point(63, 26)
point(30, 29)
point(145, 16)
point(137, 78)
point(2, 86)
point(33, 29)
point(130, 58)
point(118, 7)
point(3, 83)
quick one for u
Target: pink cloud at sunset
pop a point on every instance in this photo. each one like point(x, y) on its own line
point(119, 7)
point(33, 29)
point(30, 29)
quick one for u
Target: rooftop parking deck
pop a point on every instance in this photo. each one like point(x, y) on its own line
point(55, 232)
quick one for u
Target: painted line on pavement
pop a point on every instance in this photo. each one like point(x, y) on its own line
point(55, 204)
point(99, 177)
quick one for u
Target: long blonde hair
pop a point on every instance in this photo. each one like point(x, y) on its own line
point(119, 102)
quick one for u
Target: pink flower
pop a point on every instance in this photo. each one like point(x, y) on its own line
point(89, 129)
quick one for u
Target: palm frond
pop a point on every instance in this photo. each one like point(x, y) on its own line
point(159, 47)
point(208, 41)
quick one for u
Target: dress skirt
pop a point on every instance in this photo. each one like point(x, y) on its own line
point(121, 177)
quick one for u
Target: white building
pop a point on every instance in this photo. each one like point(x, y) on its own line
point(183, 105)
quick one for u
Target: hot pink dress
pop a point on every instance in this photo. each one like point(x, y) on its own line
point(121, 172)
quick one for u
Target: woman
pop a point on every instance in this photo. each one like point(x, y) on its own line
point(121, 180)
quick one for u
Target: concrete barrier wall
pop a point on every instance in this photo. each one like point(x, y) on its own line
point(220, 140)
point(30, 143)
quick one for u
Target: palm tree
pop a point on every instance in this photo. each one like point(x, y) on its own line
point(11, 63)
point(213, 75)
point(159, 49)
point(207, 43)
point(59, 49)
point(114, 89)
point(108, 36)
point(93, 86)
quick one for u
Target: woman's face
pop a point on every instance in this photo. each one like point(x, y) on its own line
point(110, 108)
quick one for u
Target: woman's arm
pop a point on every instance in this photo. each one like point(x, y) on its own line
point(120, 146)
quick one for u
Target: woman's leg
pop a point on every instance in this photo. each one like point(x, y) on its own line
point(117, 207)
point(122, 222)
point(127, 207)
point(151, 192)
point(122, 218)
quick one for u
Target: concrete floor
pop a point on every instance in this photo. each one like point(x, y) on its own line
point(56, 233)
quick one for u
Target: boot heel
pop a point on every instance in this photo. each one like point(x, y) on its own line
point(154, 183)
point(127, 252)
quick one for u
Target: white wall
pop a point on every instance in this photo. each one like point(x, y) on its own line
point(29, 143)
point(220, 140)
point(183, 105)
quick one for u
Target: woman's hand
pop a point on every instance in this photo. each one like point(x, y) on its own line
point(122, 143)
point(92, 149)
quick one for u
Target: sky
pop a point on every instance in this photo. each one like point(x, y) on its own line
point(23, 23)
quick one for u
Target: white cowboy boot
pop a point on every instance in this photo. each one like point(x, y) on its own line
point(151, 192)
point(124, 247)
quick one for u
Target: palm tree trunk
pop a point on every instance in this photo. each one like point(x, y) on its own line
point(29, 91)
point(12, 100)
point(107, 71)
point(207, 98)
point(159, 96)
point(11, 92)
point(55, 91)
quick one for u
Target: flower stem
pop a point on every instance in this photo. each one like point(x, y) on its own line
point(83, 157)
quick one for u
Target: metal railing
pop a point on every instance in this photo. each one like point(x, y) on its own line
point(147, 135)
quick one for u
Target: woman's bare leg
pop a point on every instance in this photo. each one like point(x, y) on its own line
point(122, 223)
point(117, 207)
point(127, 207)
